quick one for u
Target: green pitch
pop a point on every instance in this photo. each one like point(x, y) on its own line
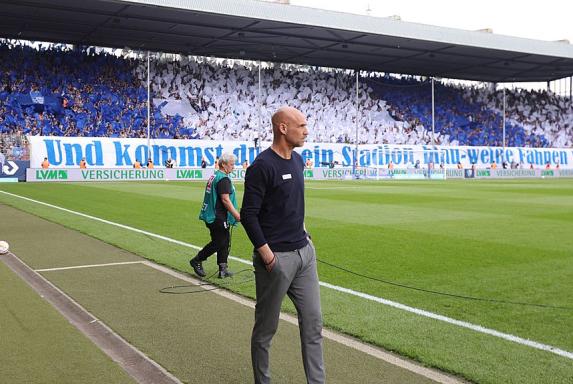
point(38, 344)
point(495, 240)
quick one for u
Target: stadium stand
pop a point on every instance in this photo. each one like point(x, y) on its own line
point(224, 95)
point(62, 92)
point(540, 114)
point(461, 118)
point(83, 92)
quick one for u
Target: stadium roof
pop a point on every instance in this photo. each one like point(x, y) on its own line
point(255, 30)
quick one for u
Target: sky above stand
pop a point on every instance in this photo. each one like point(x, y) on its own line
point(541, 20)
point(548, 20)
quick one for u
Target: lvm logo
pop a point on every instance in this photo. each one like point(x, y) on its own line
point(308, 174)
point(51, 174)
point(547, 172)
point(483, 172)
point(189, 174)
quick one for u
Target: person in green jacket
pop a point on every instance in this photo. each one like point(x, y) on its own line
point(219, 212)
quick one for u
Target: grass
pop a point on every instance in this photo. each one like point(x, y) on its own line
point(502, 240)
point(205, 338)
point(38, 345)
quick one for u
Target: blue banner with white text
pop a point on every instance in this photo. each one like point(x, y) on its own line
point(103, 152)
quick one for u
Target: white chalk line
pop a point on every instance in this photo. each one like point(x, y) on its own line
point(87, 266)
point(341, 339)
point(106, 348)
point(331, 188)
point(420, 312)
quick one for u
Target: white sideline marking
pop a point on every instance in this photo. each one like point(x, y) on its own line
point(87, 266)
point(331, 188)
point(108, 346)
point(421, 312)
point(341, 339)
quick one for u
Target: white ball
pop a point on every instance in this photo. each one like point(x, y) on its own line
point(4, 247)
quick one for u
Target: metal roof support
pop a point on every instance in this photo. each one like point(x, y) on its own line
point(148, 109)
point(260, 103)
point(356, 124)
point(503, 128)
point(239, 30)
point(433, 116)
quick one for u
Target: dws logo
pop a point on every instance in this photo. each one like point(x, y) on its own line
point(54, 174)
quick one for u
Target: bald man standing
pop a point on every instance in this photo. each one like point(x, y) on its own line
point(284, 257)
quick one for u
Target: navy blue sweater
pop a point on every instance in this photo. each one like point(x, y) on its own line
point(273, 202)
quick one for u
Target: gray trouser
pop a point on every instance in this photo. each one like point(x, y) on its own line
point(294, 274)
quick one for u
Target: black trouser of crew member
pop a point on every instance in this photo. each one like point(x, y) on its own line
point(220, 240)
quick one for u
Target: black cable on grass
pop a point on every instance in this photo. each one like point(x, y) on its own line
point(452, 295)
point(182, 289)
point(178, 289)
point(206, 281)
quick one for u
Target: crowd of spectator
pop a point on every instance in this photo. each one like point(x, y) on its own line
point(224, 98)
point(460, 117)
point(13, 147)
point(73, 92)
point(541, 114)
point(65, 91)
